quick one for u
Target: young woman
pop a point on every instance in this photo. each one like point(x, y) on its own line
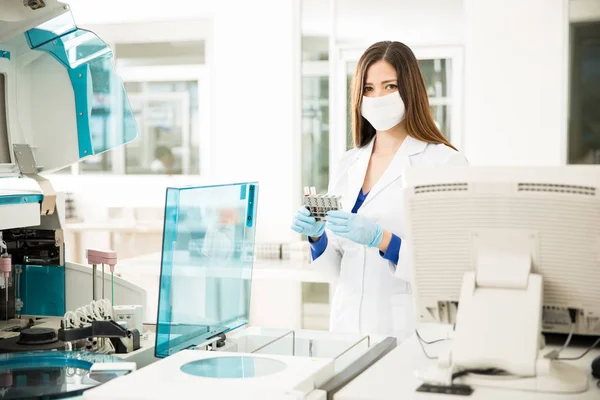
point(364, 244)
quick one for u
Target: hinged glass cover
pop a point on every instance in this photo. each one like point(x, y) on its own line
point(207, 259)
point(59, 94)
point(99, 92)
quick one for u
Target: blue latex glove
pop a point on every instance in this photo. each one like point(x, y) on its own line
point(355, 227)
point(307, 225)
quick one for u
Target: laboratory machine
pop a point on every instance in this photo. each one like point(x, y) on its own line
point(202, 339)
point(507, 255)
point(64, 327)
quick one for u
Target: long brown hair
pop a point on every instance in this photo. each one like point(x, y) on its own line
point(411, 85)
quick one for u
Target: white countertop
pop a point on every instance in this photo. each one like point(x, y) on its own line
point(393, 377)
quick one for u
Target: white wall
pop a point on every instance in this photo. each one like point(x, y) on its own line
point(584, 10)
point(117, 11)
point(516, 82)
point(422, 22)
point(157, 31)
point(254, 71)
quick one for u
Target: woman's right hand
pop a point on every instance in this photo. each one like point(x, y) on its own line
point(307, 225)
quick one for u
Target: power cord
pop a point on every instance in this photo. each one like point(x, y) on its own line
point(579, 357)
point(553, 355)
point(485, 371)
point(422, 341)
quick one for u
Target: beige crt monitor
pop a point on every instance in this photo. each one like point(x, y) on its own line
point(460, 216)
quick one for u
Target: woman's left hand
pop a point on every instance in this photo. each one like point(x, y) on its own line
point(354, 227)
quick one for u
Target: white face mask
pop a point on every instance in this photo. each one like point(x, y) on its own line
point(383, 112)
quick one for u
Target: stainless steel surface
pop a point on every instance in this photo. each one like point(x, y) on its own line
point(103, 280)
point(25, 159)
point(94, 270)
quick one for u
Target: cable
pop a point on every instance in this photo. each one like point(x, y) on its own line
point(579, 357)
point(421, 341)
point(89, 312)
point(571, 332)
point(426, 342)
point(100, 310)
point(81, 318)
point(486, 371)
point(69, 319)
point(107, 311)
point(553, 355)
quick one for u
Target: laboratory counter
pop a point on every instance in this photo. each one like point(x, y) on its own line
point(395, 375)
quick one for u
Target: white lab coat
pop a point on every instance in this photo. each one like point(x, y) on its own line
point(372, 295)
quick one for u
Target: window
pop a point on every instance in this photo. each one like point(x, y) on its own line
point(166, 114)
point(163, 83)
point(436, 74)
point(315, 113)
point(584, 124)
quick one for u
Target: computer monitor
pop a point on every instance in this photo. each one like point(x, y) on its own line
point(460, 216)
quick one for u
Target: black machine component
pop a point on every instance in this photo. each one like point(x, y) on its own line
point(73, 334)
point(32, 247)
point(458, 390)
point(123, 340)
point(220, 341)
point(31, 339)
point(127, 344)
point(34, 4)
point(596, 367)
point(35, 336)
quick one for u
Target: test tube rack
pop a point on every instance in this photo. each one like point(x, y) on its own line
point(319, 204)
